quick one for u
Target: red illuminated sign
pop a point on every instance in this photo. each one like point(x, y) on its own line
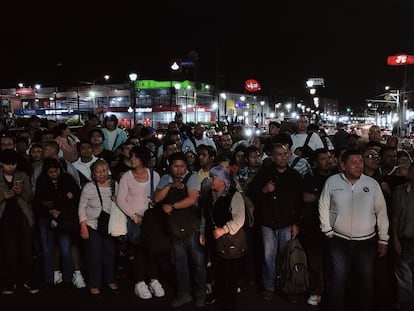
point(400, 59)
point(25, 91)
point(252, 85)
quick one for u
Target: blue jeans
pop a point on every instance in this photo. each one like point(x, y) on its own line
point(351, 258)
point(100, 259)
point(274, 241)
point(185, 250)
point(404, 275)
point(48, 239)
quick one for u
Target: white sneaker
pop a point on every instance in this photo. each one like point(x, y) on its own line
point(142, 291)
point(78, 280)
point(156, 288)
point(314, 300)
point(57, 277)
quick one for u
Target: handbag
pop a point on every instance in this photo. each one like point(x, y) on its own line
point(183, 222)
point(232, 246)
point(103, 219)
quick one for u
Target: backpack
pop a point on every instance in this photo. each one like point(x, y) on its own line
point(295, 275)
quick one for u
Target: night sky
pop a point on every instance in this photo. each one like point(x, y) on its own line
point(280, 45)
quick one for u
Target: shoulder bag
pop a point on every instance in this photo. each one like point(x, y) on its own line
point(103, 219)
point(230, 246)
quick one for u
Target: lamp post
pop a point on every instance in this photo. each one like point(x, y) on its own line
point(36, 90)
point(130, 110)
point(55, 100)
point(242, 99)
point(174, 67)
point(93, 95)
point(133, 77)
point(223, 97)
point(277, 107)
point(193, 56)
point(262, 104)
point(177, 86)
point(186, 103)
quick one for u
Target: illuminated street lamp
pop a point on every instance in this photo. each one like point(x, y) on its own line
point(92, 94)
point(130, 110)
point(36, 90)
point(133, 77)
point(262, 104)
point(177, 86)
point(224, 97)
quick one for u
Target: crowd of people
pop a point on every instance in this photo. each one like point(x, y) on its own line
point(347, 200)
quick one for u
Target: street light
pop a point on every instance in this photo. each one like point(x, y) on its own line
point(36, 90)
point(262, 104)
point(277, 106)
point(186, 103)
point(93, 95)
point(177, 86)
point(133, 77)
point(130, 110)
point(223, 97)
point(193, 56)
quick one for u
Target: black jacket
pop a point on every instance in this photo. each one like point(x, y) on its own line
point(282, 207)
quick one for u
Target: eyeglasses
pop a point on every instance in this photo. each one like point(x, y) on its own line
point(372, 156)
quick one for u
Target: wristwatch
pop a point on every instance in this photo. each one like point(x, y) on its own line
point(173, 206)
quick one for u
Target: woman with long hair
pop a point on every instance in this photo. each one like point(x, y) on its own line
point(134, 197)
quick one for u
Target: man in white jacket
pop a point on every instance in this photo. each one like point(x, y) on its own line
point(353, 215)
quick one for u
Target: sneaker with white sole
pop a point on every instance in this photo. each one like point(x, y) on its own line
point(57, 277)
point(78, 280)
point(156, 289)
point(9, 290)
point(314, 300)
point(142, 291)
point(31, 288)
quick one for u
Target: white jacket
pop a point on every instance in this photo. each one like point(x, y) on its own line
point(353, 212)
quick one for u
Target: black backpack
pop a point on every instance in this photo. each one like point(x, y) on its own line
point(295, 275)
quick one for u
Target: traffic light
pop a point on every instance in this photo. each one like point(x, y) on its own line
point(348, 109)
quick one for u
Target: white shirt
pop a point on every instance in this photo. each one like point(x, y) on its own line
point(188, 144)
point(298, 140)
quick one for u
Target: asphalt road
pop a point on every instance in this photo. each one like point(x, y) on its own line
point(64, 298)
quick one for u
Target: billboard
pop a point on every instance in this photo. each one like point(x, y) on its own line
point(400, 59)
